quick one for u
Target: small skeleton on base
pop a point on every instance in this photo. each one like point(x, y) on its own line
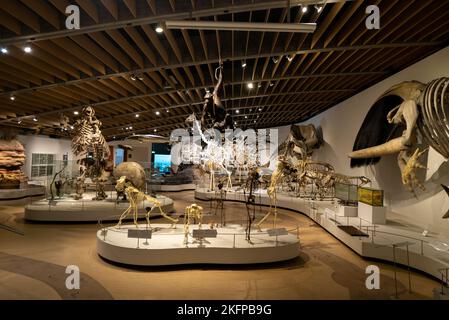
point(135, 197)
point(195, 212)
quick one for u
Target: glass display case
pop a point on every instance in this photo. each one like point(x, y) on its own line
point(346, 193)
point(370, 196)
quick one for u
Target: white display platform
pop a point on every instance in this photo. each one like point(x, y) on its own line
point(15, 194)
point(429, 254)
point(166, 246)
point(373, 214)
point(69, 209)
point(347, 211)
point(171, 187)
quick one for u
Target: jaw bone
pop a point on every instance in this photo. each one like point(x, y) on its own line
point(393, 146)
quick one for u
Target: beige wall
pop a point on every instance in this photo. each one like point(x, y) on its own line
point(341, 124)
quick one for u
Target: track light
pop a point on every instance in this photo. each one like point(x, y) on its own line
point(133, 77)
point(260, 109)
point(27, 49)
point(246, 117)
point(71, 127)
point(166, 110)
point(237, 111)
point(318, 8)
point(289, 58)
point(275, 60)
point(304, 8)
point(131, 127)
point(250, 85)
point(4, 50)
point(19, 121)
point(259, 85)
point(159, 29)
point(243, 64)
point(137, 115)
point(157, 113)
point(35, 119)
point(271, 84)
point(76, 113)
point(155, 130)
point(12, 97)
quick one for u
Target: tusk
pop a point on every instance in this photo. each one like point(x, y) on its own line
point(390, 147)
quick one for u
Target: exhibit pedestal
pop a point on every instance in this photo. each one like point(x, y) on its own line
point(164, 245)
point(20, 193)
point(373, 214)
point(347, 211)
point(84, 210)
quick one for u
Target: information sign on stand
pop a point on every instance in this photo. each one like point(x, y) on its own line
point(139, 234)
point(204, 233)
point(277, 232)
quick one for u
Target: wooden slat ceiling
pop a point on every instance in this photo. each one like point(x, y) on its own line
point(295, 76)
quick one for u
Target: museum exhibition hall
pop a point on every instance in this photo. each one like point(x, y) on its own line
point(224, 150)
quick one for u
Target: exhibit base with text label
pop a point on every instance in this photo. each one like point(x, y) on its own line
point(165, 245)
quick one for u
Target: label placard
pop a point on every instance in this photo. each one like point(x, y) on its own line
point(141, 234)
point(277, 232)
point(204, 233)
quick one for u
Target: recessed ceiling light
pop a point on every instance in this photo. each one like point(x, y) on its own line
point(157, 113)
point(159, 29)
point(235, 123)
point(12, 98)
point(254, 121)
point(260, 109)
point(155, 130)
point(167, 110)
point(250, 85)
point(137, 115)
point(27, 49)
point(237, 111)
point(131, 127)
point(4, 50)
point(246, 117)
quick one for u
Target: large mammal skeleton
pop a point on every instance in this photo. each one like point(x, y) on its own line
point(91, 151)
point(135, 197)
point(411, 107)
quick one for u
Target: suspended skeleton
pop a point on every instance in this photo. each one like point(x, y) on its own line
point(392, 123)
point(91, 151)
point(135, 197)
point(300, 143)
point(252, 184)
point(213, 106)
point(192, 212)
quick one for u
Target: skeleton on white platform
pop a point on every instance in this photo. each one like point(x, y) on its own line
point(136, 197)
point(91, 151)
point(192, 212)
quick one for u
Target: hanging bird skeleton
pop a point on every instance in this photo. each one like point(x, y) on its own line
point(213, 107)
point(392, 123)
point(91, 151)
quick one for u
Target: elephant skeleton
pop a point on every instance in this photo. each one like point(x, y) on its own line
point(411, 107)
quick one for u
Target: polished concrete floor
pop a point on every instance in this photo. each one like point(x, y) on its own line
point(33, 267)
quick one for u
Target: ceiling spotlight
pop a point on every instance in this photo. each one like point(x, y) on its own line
point(304, 9)
point(4, 50)
point(237, 111)
point(254, 121)
point(71, 127)
point(157, 113)
point(133, 78)
point(246, 117)
point(137, 115)
point(131, 127)
point(166, 110)
point(76, 113)
point(250, 85)
point(271, 84)
point(12, 98)
point(35, 119)
point(27, 49)
point(159, 29)
point(259, 85)
point(19, 121)
point(250, 110)
point(318, 8)
point(113, 137)
point(155, 130)
point(243, 64)
point(289, 58)
point(235, 123)
point(260, 109)
point(140, 77)
point(275, 60)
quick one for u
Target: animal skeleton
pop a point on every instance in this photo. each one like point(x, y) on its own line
point(91, 151)
point(423, 108)
point(135, 197)
point(213, 156)
point(214, 107)
point(192, 212)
